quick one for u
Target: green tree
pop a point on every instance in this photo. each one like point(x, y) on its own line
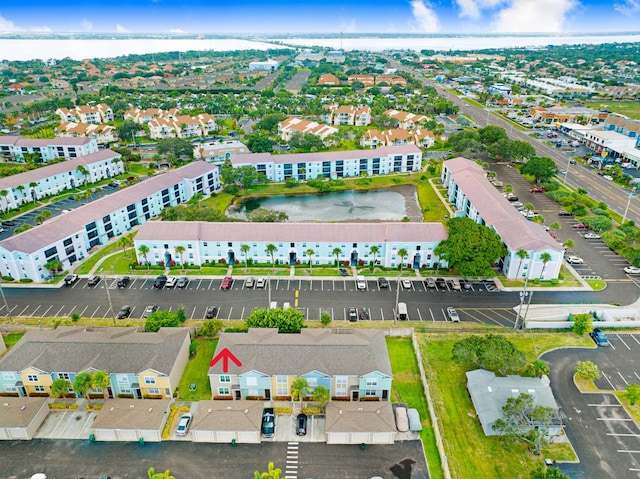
point(321, 395)
point(124, 243)
point(402, 253)
point(271, 473)
point(82, 384)
point(244, 249)
point(522, 254)
point(270, 122)
point(545, 258)
point(632, 394)
point(325, 318)
point(598, 223)
point(522, 419)
point(60, 387)
point(100, 380)
point(374, 251)
point(286, 321)
point(127, 130)
point(210, 328)
point(299, 389)
point(180, 251)
point(84, 173)
point(493, 352)
point(259, 143)
point(161, 319)
point(492, 134)
point(555, 226)
point(542, 169)
point(538, 368)
point(337, 252)
point(587, 370)
point(548, 473)
point(471, 248)
point(53, 266)
point(144, 251)
point(310, 254)
point(271, 249)
point(5, 202)
point(160, 475)
point(178, 147)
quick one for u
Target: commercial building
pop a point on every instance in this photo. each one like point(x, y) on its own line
point(15, 147)
point(335, 164)
point(69, 237)
point(474, 197)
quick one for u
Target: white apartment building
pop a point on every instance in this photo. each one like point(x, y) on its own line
point(333, 164)
point(269, 65)
point(142, 117)
point(69, 237)
point(206, 242)
point(473, 196)
point(52, 179)
point(102, 134)
point(15, 147)
point(182, 126)
point(215, 152)
point(406, 120)
point(288, 127)
point(101, 113)
point(347, 115)
point(397, 136)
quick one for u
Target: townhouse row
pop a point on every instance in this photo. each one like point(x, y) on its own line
point(396, 136)
point(69, 237)
point(100, 113)
point(52, 179)
point(15, 148)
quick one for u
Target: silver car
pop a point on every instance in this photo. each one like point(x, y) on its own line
point(183, 424)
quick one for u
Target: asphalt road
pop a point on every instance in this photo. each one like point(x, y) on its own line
point(83, 459)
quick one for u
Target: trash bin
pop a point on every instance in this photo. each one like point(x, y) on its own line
point(92, 437)
point(233, 442)
point(141, 440)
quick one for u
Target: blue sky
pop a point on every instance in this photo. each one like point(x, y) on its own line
point(360, 16)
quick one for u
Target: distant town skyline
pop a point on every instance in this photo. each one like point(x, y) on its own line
point(328, 16)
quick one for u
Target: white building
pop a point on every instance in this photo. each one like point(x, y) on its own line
point(269, 65)
point(15, 147)
point(102, 134)
point(215, 152)
point(333, 164)
point(182, 126)
point(288, 127)
point(609, 141)
point(473, 196)
point(347, 115)
point(100, 113)
point(52, 179)
point(211, 242)
point(70, 236)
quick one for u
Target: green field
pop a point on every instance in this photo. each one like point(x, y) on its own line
point(196, 372)
point(626, 108)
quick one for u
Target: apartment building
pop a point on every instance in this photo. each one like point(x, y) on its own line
point(144, 116)
point(334, 164)
point(102, 134)
point(347, 115)
point(215, 152)
point(288, 127)
point(206, 242)
point(101, 113)
point(69, 237)
point(52, 179)
point(328, 79)
point(14, 148)
point(474, 197)
point(182, 126)
point(396, 136)
point(405, 119)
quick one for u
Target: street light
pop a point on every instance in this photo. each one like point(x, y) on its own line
point(106, 286)
point(626, 210)
point(566, 171)
point(5, 303)
point(523, 294)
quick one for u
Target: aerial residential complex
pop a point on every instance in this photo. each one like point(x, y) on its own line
point(336, 164)
point(211, 242)
point(15, 147)
point(69, 237)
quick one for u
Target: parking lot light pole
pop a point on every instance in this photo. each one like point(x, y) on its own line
point(626, 210)
point(566, 172)
point(523, 294)
point(5, 303)
point(106, 287)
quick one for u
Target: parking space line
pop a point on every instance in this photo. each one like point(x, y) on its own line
point(94, 313)
point(636, 374)
point(61, 308)
point(210, 284)
point(25, 308)
point(622, 434)
point(610, 383)
point(419, 315)
point(605, 405)
point(629, 451)
point(193, 313)
point(433, 318)
point(36, 310)
point(242, 314)
point(82, 312)
point(613, 419)
point(231, 309)
point(618, 336)
point(625, 381)
point(381, 315)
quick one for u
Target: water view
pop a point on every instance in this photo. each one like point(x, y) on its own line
point(378, 205)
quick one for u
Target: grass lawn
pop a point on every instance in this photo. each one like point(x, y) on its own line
point(407, 385)
point(86, 266)
point(627, 108)
point(196, 372)
point(470, 452)
point(12, 338)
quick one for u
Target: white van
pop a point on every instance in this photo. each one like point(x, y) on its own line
point(361, 283)
point(402, 312)
point(455, 284)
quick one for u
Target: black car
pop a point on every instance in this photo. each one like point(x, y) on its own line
point(268, 422)
point(8, 223)
point(353, 314)
point(383, 283)
point(123, 282)
point(441, 283)
point(364, 314)
point(301, 429)
point(124, 312)
point(93, 280)
point(160, 281)
point(212, 312)
point(344, 272)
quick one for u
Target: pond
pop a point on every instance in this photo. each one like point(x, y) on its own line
point(389, 204)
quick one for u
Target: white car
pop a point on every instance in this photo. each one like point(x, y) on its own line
point(608, 177)
point(591, 236)
point(171, 282)
point(574, 260)
point(361, 283)
point(453, 315)
point(183, 425)
point(406, 283)
point(632, 270)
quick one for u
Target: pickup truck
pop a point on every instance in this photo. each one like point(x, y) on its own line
point(268, 422)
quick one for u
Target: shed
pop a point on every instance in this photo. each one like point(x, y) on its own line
point(21, 417)
point(360, 422)
point(226, 421)
point(131, 420)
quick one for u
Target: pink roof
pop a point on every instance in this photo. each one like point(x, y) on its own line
point(292, 232)
point(27, 142)
point(255, 158)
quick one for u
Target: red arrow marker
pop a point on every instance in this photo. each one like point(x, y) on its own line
point(225, 355)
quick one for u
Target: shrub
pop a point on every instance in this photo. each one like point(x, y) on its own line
point(26, 280)
point(282, 410)
point(7, 278)
point(312, 410)
point(325, 318)
point(581, 324)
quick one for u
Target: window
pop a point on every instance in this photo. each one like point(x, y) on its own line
point(154, 391)
point(224, 392)
point(282, 386)
point(372, 382)
point(9, 376)
point(32, 378)
point(149, 380)
point(312, 382)
point(64, 376)
point(341, 385)
point(252, 381)
point(38, 389)
point(225, 379)
point(370, 393)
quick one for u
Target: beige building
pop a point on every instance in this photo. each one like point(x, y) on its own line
point(20, 418)
point(131, 420)
point(226, 421)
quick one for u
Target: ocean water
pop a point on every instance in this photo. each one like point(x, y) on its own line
point(80, 48)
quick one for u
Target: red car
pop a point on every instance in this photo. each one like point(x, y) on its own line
point(537, 189)
point(580, 226)
point(226, 282)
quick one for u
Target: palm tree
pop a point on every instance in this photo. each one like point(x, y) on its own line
point(144, 250)
point(403, 253)
point(82, 384)
point(529, 206)
point(310, 254)
point(299, 389)
point(321, 396)
point(244, 249)
point(20, 188)
point(569, 244)
point(337, 252)
point(522, 254)
point(271, 249)
point(32, 185)
point(60, 387)
point(100, 380)
point(5, 201)
point(84, 173)
point(374, 250)
point(180, 251)
point(545, 258)
point(124, 242)
point(53, 266)
point(507, 188)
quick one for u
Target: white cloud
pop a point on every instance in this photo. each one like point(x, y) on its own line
point(176, 30)
point(533, 16)
point(628, 7)
point(121, 29)
point(9, 26)
point(86, 25)
point(471, 8)
point(424, 16)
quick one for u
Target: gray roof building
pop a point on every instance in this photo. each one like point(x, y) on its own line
point(238, 415)
point(360, 417)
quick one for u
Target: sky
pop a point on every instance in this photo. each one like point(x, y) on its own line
point(326, 16)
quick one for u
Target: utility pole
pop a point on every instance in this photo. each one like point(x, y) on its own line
point(523, 295)
point(626, 210)
point(5, 303)
point(106, 287)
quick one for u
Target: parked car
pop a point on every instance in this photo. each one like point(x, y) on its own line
point(632, 270)
point(364, 314)
point(8, 223)
point(383, 283)
point(512, 198)
point(260, 283)
point(171, 282)
point(182, 282)
point(183, 424)
point(455, 284)
point(580, 226)
point(591, 236)
point(70, 279)
point(466, 284)
point(344, 272)
point(574, 260)
point(537, 189)
point(361, 283)
point(441, 283)
point(93, 280)
point(566, 213)
point(227, 281)
point(123, 282)
point(431, 283)
point(453, 315)
point(152, 308)
point(608, 177)
point(211, 312)
point(353, 314)
point(249, 283)
point(301, 429)
point(124, 312)
point(406, 283)
point(160, 281)
point(268, 422)
point(599, 337)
